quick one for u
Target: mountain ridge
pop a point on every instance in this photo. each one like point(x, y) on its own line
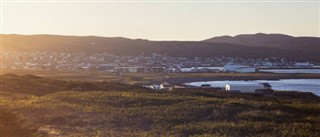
point(258, 39)
point(297, 48)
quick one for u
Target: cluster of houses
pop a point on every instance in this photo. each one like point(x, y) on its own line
point(231, 67)
point(162, 86)
point(105, 62)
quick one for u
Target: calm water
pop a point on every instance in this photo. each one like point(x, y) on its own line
point(304, 85)
point(307, 71)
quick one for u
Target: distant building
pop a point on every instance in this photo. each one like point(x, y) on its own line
point(238, 68)
point(155, 87)
point(163, 86)
point(303, 65)
point(132, 69)
point(170, 70)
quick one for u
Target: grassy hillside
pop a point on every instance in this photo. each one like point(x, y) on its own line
point(51, 82)
point(30, 84)
point(36, 106)
point(177, 113)
point(11, 126)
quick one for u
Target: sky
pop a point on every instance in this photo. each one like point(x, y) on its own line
point(158, 20)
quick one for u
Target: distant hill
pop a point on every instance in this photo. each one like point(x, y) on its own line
point(245, 46)
point(296, 47)
point(259, 39)
point(280, 41)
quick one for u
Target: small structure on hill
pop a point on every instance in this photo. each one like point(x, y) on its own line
point(157, 87)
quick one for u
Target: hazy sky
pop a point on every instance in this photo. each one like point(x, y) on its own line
point(161, 20)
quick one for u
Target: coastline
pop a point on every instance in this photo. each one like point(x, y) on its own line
point(182, 80)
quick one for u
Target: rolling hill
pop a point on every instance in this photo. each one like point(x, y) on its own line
point(30, 84)
point(254, 40)
point(279, 41)
point(138, 112)
point(245, 46)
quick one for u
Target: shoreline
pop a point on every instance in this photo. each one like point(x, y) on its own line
point(183, 80)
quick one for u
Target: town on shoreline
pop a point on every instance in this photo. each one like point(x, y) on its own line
point(105, 62)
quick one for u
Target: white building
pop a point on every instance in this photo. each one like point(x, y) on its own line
point(238, 68)
point(156, 86)
point(133, 69)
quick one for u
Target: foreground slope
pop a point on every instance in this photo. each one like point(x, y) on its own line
point(175, 113)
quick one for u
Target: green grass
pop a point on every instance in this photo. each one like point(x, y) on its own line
point(177, 113)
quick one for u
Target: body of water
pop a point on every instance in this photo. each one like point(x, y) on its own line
point(306, 71)
point(304, 85)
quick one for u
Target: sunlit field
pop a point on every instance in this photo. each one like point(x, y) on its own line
point(117, 111)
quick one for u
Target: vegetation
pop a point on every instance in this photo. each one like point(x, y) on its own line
point(10, 126)
point(36, 106)
point(176, 113)
point(29, 84)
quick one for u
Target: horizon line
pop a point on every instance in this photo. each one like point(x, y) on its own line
point(160, 1)
point(137, 38)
